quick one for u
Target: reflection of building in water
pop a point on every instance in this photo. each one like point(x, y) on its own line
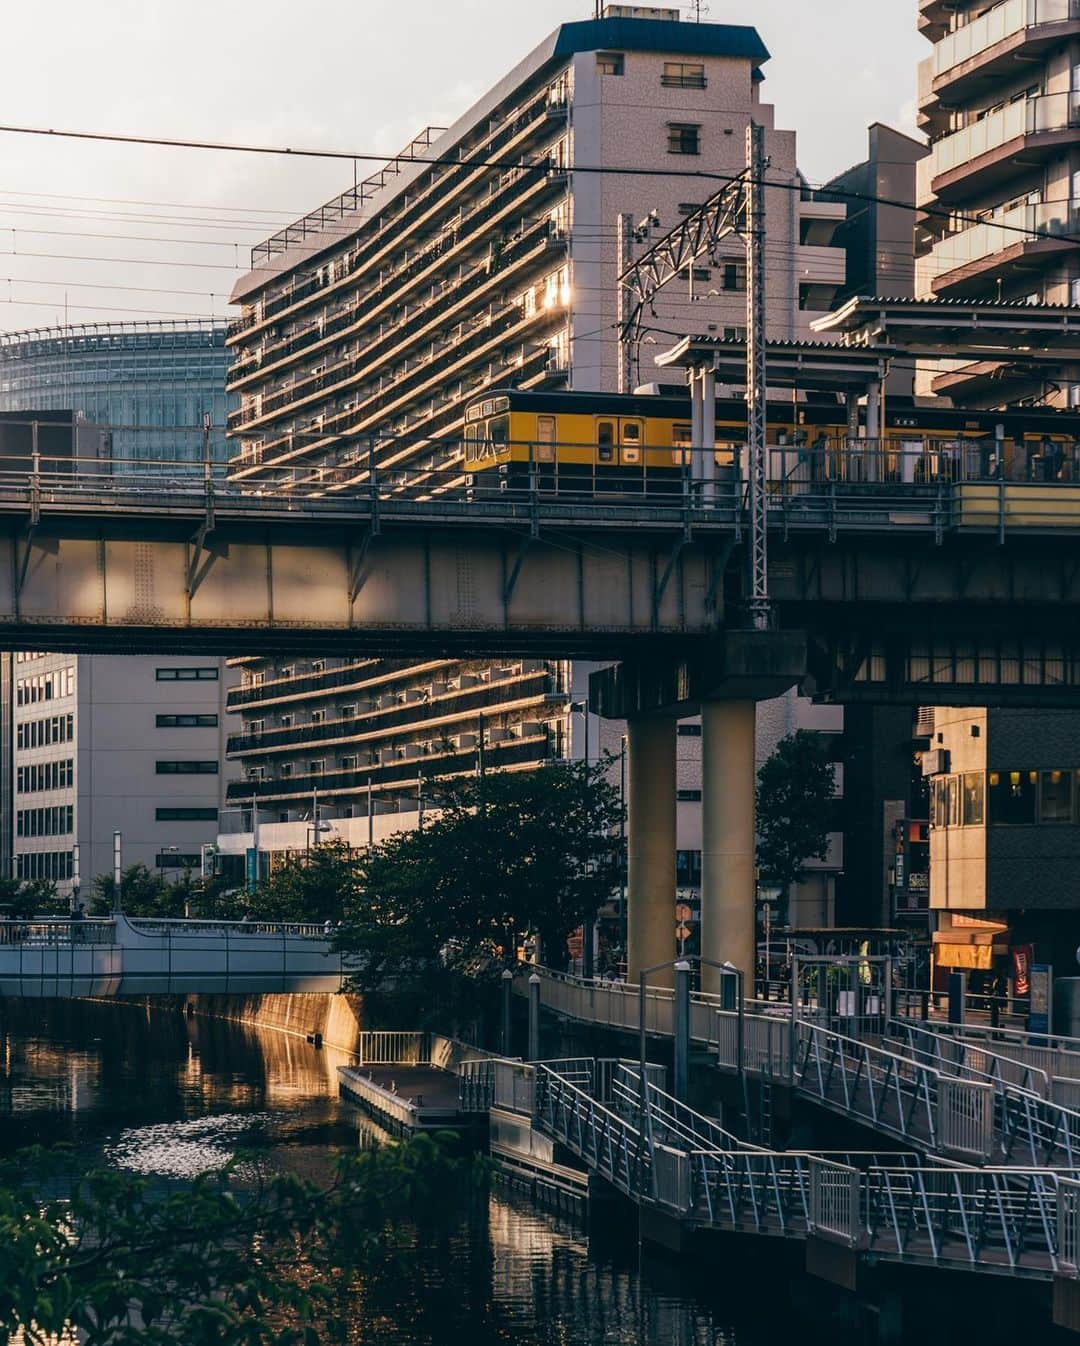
point(38, 1077)
point(543, 1272)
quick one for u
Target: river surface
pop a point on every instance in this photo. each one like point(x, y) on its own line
point(153, 1092)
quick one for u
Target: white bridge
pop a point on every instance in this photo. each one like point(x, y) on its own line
point(128, 956)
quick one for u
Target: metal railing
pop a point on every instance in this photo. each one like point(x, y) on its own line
point(980, 1219)
point(57, 932)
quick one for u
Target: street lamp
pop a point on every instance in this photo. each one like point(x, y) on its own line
point(162, 865)
point(76, 876)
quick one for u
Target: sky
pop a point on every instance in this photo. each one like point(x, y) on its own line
point(99, 232)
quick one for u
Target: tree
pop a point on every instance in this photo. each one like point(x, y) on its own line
point(252, 1262)
point(508, 852)
point(26, 898)
point(144, 893)
point(794, 809)
point(313, 885)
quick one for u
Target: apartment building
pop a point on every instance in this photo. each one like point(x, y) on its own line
point(107, 743)
point(999, 98)
point(367, 326)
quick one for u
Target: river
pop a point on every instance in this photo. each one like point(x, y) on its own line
point(153, 1092)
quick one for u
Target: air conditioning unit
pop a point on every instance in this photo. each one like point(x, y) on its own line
point(532, 729)
point(464, 741)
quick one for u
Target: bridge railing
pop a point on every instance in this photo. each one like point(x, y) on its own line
point(59, 932)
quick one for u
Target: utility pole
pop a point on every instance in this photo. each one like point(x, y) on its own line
point(626, 326)
point(756, 410)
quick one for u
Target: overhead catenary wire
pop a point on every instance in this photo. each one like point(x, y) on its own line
point(506, 165)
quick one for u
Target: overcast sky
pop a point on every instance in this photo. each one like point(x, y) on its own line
point(115, 231)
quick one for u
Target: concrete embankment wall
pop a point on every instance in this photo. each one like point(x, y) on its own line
point(337, 1018)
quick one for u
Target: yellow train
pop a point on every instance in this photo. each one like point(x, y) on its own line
point(615, 442)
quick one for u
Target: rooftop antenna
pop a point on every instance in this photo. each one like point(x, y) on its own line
point(698, 10)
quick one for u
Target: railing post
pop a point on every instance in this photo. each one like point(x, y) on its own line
point(534, 1017)
point(507, 992)
point(682, 1031)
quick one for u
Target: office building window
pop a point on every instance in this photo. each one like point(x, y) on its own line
point(688, 796)
point(45, 686)
point(684, 138)
point(186, 674)
point(191, 768)
point(1055, 797)
point(1012, 796)
point(58, 775)
point(168, 814)
point(186, 721)
point(45, 822)
point(973, 798)
point(53, 865)
point(610, 63)
point(44, 733)
point(178, 860)
point(683, 75)
point(689, 730)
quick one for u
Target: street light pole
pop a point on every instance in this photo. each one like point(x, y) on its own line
point(118, 869)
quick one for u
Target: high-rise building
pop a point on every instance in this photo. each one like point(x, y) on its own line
point(999, 97)
point(150, 383)
point(487, 255)
point(89, 744)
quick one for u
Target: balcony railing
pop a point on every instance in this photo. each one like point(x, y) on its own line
point(996, 25)
point(1027, 116)
point(1024, 224)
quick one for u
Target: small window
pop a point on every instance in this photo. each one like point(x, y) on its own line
point(684, 138)
point(186, 674)
point(610, 63)
point(182, 815)
point(1055, 797)
point(688, 796)
point(689, 730)
point(187, 768)
point(973, 798)
point(605, 441)
point(729, 276)
point(316, 768)
point(683, 75)
point(188, 722)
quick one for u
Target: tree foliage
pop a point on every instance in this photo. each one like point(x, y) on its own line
point(261, 1262)
point(146, 893)
point(794, 808)
point(316, 885)
point(507, 852)
point(25, 898)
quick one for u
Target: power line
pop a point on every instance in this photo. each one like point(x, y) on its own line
point(449, 161)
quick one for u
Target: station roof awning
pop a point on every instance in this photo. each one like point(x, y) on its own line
point(957, 328)
point(822, 365)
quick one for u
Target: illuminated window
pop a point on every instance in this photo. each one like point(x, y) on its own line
point(1013, 797)
point(973, 798)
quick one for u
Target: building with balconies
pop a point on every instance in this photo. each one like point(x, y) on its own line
point(999, 98)
point(487, 255)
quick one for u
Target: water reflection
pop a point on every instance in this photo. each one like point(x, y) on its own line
point(169, 1097)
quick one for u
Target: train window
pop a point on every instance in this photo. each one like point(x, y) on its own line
point(499, 430)
point(545, 439)
point(472, 435)
point(631, 441)
point(681, 439)
point(605, 441)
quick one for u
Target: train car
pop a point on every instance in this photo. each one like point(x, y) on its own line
point(639, 444)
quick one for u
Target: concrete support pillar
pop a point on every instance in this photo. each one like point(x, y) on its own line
point(728, 781)
point(873, 432)
point(697, 431)
point(650, 848)
point(708, 436)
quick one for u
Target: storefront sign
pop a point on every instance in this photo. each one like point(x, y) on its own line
point(1042, 978)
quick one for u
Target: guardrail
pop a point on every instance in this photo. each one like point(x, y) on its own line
point(53, 933)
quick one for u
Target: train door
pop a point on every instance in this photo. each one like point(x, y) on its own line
point(546, 454)
point(620, 452)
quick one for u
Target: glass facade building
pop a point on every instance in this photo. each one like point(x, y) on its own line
point(151, 383)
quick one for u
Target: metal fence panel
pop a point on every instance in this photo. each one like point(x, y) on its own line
point(965, 1118)
point(671, 1173)
point(834, 1202)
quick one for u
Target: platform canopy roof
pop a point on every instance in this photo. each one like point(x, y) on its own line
point(967, 329)
point(820, 365)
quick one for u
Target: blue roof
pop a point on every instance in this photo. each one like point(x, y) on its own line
point(666, 35)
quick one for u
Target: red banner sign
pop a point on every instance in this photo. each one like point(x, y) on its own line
point(1022, 957)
